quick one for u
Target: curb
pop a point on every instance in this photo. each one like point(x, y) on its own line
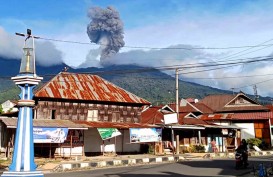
point(111, 163)
point(148, 160)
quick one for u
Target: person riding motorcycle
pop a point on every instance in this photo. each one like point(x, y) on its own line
point(244, 150)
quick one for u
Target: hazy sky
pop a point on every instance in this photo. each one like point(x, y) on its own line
point(153, 24)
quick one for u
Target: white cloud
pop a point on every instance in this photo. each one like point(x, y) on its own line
point(11, 48)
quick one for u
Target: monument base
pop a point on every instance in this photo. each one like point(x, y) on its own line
point(22, 174)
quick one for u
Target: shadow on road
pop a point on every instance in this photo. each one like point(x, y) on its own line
point(227, 167)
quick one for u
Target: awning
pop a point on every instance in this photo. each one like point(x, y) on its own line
point(202, 126)
point(120, 125)
point(178, 126)
point(12, 123)
point(222, 126)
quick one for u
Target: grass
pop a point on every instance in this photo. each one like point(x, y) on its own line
point(4, 163)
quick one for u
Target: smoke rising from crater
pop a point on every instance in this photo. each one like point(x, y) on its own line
point(106, 29)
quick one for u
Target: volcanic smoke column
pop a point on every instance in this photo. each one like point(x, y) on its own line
point(106, 29)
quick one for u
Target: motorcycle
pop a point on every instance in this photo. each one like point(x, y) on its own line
point(240, 160)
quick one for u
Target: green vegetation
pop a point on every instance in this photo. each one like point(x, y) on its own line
point(154, 86)
point(9, 94)
point(254, 142)
point(197, 148)
point(1, 109)
point(160, 89)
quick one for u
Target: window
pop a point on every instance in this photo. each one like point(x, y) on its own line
point(115, 116)
point(53, 114)
point(92, 115)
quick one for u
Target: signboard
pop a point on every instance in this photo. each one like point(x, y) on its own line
point(170, 118)
point(107, 133)
point(49, 134)
point(225, 131)
point(141, 135)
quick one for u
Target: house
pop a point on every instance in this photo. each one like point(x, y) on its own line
point(241, 111)
point(89, 98)
point(9, 108)
point(92, 103)
point(190, 130)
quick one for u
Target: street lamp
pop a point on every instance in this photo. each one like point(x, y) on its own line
point(23, 155)
point(27, 62)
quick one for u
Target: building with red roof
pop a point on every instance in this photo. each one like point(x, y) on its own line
point(241, 111)
point(93, 103)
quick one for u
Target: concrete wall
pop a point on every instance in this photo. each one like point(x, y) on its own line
point(94, 143)
point(8, 106)
point(247, 130)
point(65, 152)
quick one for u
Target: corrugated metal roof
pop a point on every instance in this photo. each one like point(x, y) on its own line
point(12, 123)
point(218, 103)
point(193, 121)
point(114, 125)
point(251, 116)
point(89, 87)
point(152, 115)
point(239, 116)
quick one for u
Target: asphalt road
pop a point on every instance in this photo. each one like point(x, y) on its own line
point(200, 168)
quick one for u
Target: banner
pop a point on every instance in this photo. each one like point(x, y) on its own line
point(107, 133)
point(141, 135)
point(49, 134)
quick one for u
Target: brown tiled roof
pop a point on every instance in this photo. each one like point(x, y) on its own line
point(89, 87)
point(12, 123)
point(114, 125)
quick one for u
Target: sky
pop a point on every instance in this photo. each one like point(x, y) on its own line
point(157, 33)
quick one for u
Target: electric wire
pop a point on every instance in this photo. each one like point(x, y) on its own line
point(159, 48)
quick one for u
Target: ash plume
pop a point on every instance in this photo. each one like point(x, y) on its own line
point(106, 29)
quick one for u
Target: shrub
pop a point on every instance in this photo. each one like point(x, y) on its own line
point(197, 148)
point(254, 142)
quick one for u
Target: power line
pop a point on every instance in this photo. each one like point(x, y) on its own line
point(254, 84)
point(165, 48)
point(172, 67)
point(259, 45)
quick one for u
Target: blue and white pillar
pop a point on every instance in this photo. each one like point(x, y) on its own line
point(23, 155)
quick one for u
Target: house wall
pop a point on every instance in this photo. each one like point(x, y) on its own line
point(2, 148)
point(79, 111)
point(65, 151)
point(247, 130)
point(93, 142)
point(8, 106)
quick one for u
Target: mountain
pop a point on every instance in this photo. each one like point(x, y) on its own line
point(148, 83)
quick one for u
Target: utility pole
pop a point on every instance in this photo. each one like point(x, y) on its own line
point(232, 91)
point(176, 91)
point(23, 155)
point(255, 93)
point(177, 110)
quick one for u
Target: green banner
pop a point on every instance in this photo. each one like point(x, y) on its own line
point(106, 133)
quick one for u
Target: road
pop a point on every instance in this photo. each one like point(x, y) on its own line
point(193, 168)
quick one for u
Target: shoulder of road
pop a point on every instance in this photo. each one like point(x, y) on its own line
point(83, 163)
